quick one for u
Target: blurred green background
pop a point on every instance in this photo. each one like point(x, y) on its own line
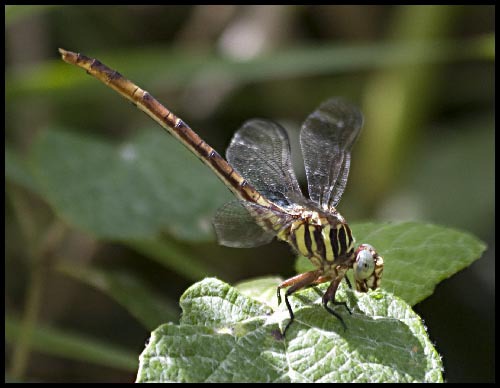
point(108, 219)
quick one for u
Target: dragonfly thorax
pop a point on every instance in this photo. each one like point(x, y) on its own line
point(323, 238)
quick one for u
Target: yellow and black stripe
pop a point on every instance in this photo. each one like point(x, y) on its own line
point(326, 241)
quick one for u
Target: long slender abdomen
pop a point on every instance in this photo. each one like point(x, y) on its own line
point(174, 125)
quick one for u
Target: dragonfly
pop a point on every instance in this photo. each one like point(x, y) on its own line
point(269, 201)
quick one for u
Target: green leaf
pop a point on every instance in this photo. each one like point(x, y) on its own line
point(128, 291)
point(138, 189)
point(18, 171)
point(73, 346)
point(261, 289)
point(225, 336)
point(417, 256)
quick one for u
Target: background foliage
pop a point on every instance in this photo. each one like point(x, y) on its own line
point(83, 291)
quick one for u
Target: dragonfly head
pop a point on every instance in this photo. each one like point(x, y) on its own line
point(368, 267)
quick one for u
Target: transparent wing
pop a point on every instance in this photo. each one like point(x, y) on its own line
point(260, 152)
point(243, 224)
point(326, 139)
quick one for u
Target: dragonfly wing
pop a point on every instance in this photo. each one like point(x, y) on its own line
point(260, 152)
point(326, 139)
point(243, 224)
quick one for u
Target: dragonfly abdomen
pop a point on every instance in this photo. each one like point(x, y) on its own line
point(174, 125)
point(321, 240)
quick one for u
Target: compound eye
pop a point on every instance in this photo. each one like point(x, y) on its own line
point(364, 265)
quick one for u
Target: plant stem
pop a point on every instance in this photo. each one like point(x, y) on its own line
point(39, 258)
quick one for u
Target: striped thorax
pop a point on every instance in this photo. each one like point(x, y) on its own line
point(325, 239)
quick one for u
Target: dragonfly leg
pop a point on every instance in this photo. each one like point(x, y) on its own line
point(329, 296)
point(348, 282)
point(296, 283)
point(323, 279)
